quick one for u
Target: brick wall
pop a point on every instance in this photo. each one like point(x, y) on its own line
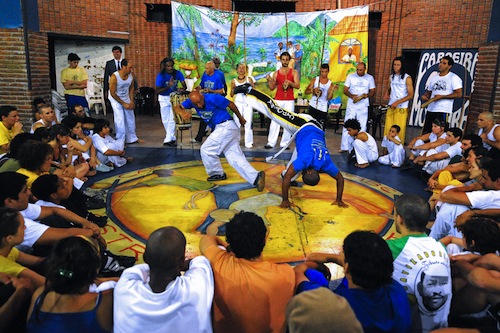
point(405, 24)
point(13, 74)
point(484, 87)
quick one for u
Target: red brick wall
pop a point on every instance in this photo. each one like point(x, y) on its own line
point(13, 73)
point(484, 84)
point(406, 24)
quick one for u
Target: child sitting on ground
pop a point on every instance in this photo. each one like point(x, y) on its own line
point(364, 146)
point(394, 152)
point(109, 150)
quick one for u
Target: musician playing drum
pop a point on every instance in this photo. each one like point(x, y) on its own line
point(167, 81)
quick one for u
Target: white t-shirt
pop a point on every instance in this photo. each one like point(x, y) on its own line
point(359, 85)
point(321, 103)
point(100, 143)
point(484, 199)
point(34, 230)
point(185, 305)
point(443, 85)
point(454, 150)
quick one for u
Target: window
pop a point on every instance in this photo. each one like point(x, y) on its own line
point(263, 6)
point(159, 13)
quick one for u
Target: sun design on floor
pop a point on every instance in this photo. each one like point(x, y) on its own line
point(178, 194)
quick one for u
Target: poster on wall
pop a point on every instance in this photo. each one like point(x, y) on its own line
point(465, 67)
point(339, 38)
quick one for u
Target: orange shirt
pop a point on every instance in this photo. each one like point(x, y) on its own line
point(250, 296)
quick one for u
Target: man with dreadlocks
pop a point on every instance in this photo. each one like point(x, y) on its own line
point(167, 82)
point(310, 156)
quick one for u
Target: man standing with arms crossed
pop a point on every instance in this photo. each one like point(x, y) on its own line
point(121, 91)
point(442, 89)
point(284, 81)
point(358, 87)
point(74, 80)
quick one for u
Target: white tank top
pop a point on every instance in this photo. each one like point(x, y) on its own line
point(122, 87)
point(321, 103)
point(489, 136)
point(398, 90)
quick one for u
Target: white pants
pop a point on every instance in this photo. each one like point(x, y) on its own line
point(247, 113)
point(432, 166)
point(124, 122)
point(418, 152)
point(395, 156)
point(274, 128)
point(167, 118)
point(225, 138)
point(363, 153)
point(118, 161)
point(354, 112)
point(444, 225)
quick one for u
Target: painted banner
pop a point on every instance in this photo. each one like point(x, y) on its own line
point(465, 67)
point(201, 33)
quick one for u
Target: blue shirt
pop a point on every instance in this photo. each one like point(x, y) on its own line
point(298, 54)
point(312, 152)
point(385, 309)
point(163, 80)
point(214, 111)
point(214, 81)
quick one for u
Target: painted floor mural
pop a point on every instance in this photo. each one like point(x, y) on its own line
point(140, 201)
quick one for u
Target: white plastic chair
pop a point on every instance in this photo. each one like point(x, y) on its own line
point(59, 104)
point(95, 95)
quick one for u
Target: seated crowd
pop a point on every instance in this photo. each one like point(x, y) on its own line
point(56, 271)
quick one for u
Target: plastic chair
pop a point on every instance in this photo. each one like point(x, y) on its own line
point(94, 94)
point(59, 104)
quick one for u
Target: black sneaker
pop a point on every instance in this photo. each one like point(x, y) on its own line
point(95, 203)
point(217, 177)
point(125, 261)
point(111, 267)
point(172, 144)
point(268, 147)
point(101, 221)
point(260, 181)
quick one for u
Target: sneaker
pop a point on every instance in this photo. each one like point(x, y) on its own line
point(125, 261)
point(172, 144)
point(268, 147)
point(101, 221)
point(193, 140)
point(111, 268)
point(95, 203)
point(217, 177)
point(260, 181)
point(103, 168)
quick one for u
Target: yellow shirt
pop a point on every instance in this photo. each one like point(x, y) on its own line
point(8, 265)
point(6, 136)
point(32, 176)
point(74, 74)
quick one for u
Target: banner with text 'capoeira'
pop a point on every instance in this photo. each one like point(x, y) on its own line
point(465, 67)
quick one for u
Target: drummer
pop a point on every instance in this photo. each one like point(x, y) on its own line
point(167, 82)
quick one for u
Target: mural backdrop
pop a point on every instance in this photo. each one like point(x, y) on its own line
point(200, 33)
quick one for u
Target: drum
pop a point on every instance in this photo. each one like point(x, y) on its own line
point(176, 98)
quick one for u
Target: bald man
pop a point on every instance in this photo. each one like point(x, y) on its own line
point(155, 296)
point(225, 137)
point(490, 133)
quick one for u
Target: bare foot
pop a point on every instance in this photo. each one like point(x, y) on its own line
point(129, 159)
point(362, 166)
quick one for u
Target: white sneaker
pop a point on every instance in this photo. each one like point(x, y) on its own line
point(193, 140)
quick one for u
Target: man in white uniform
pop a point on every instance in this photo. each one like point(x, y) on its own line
point(363, 146)
point(155, 297)
point(442, 89)
point(121, 97)
point(358, 87)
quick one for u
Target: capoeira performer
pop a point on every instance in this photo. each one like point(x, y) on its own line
point(310, 156)
point(225, 137)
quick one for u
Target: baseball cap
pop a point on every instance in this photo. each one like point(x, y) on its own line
point(73, 57)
